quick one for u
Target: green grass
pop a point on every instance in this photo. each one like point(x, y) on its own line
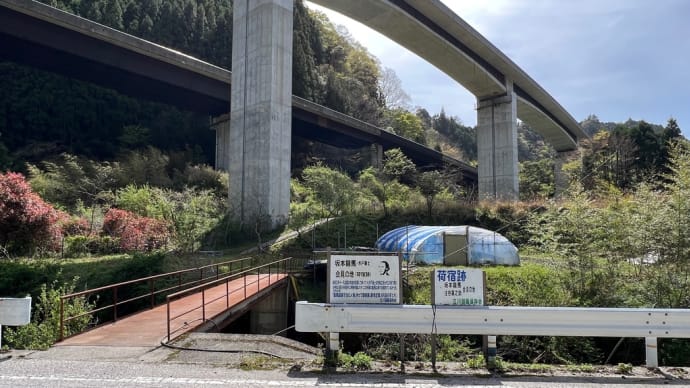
point(259, 362)
point(581, 368)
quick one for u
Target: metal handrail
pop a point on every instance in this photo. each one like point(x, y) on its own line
point(280, 264)
point(153, 292)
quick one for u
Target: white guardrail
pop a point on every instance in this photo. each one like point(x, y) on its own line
point(495, 320)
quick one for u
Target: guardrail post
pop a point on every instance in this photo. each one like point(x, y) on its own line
point(651, 352)
point(227, 293)
point(433, 351)
point(402, 353)
point(333, 348)
point(245, 286)
point(490, 350)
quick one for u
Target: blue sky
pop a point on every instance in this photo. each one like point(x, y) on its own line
point(617, 59)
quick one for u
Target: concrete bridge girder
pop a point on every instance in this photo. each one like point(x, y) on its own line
point(390, 20)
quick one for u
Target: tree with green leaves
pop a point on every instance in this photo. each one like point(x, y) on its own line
point(397, 166)
point(536, 179)
point(430, 184)
point(407, 125)
point(331, 188)
point(372, 181)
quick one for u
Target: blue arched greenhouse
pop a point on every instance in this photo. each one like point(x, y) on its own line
point(450, 245)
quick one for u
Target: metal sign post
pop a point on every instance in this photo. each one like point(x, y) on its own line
point(14, 312)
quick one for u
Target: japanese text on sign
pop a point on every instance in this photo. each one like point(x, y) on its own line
point(460, 286)
point(364, 279)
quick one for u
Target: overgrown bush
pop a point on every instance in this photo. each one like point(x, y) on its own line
point(358, 361)
point(44, 329)
point(144, 201)
point(27, 223)
point(145, 167)
point(194, 214)
point(202, 177)
point(549, 350)
point(70, 181)
point(135, 233)
point(75, 226)
point(76, 246)
point(451, 348)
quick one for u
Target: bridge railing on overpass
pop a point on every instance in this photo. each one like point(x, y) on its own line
point(266, 275)
point(146, 290)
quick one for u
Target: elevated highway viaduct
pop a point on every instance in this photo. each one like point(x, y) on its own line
point(503, 90)
point(256, 144)
point(37, 35)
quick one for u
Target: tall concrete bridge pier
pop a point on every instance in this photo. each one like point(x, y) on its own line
point(497, 147)
point(261, 111)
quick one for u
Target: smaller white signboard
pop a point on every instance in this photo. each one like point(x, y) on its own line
point(458, 286)
point(364, 279)
point(15, 311)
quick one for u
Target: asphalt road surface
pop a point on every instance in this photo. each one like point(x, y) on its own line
point(97, 366)
point(27, 372)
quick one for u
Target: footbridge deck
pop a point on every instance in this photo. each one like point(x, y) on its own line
point(232, 286)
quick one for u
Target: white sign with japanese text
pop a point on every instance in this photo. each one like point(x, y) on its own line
point(364, 279)
point(458, 286)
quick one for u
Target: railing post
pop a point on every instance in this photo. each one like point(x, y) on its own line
point(153, 297)
point(168, 313)
point(114, 304)
point(245, 286)
point(62, 319)
point(227, 293)
point(217, 272)
point(203, 305)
